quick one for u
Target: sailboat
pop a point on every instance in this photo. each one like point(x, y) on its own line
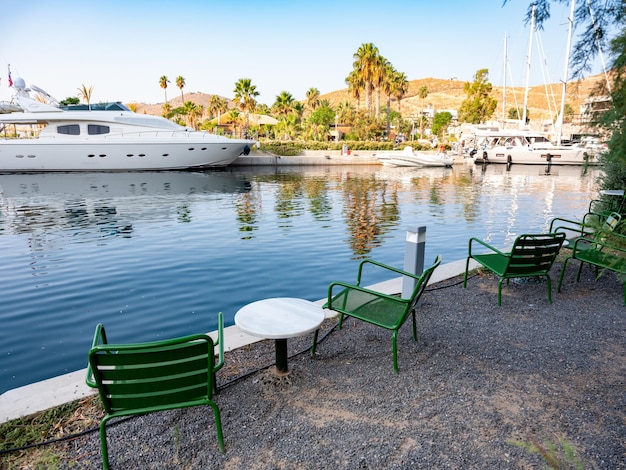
point(533, 147)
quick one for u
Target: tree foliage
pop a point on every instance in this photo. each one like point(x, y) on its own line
point(441, 121)
point(245, 98)
point(614, 120)
point(70, 100)
point(478, 106)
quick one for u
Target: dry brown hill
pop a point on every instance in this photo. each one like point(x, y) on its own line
point(449, 94)
point(442, 95)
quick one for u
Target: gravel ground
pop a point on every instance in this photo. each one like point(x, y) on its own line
point(479, 379)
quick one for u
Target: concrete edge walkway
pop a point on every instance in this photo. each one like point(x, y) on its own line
point(56, 391)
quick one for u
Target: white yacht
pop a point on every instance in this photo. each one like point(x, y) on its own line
point(528, 148)
point(37, 136)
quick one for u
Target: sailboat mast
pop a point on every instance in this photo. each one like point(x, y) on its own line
point(530, 48)
point(566, 72)
point(504, 85)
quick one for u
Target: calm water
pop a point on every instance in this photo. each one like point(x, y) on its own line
point(157, 255)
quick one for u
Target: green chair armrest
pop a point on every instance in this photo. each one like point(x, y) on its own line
point(220, 341)
point(561, 220)
point(486, 245)
point(615, 242)
point(383, 266)
point(99, 337)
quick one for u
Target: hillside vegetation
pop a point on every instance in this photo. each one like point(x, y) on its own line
point(442, 95)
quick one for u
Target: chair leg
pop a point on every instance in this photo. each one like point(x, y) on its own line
point(500, 292)
point(213, 384)
point(314, 345)
point(466, 268)
point(558, 288)
point(218, 426)
point(394, 340)
point(103, 444)
point(580, 270)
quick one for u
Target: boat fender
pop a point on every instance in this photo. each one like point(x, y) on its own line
point(548, 157)
point(485, 156)
point(246, 150)
point(509, 160)
point(473, 152)
point(585, 156)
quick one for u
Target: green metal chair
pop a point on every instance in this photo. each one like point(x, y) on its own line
point(592, 226)
point(141, 378)
point(383, 310)
point(608, 253)
point(607, 204)
point(532, 255)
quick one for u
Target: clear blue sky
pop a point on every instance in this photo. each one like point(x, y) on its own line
point(122, 48)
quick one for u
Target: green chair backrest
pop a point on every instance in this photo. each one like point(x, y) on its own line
point(534, 254)
point(422, 283)
point(146, 377)
point(611, 222)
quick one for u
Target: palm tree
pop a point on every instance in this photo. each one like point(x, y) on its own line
point(312, 98)
point(345, 112)
point(422, 93)
point(400, 86)
point(163, 81)
point(283, 106)
point(166, 110)
point(217, 107)
point(355, 85)
point(192, 112)
point(387, 87)
point(180, 83)
point(245, 94)
point(365, 63)
point(84, 94)
point(380, 72)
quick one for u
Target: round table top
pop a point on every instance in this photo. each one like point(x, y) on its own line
point(279, 317)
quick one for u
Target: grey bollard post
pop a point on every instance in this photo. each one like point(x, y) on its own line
point(413, 257)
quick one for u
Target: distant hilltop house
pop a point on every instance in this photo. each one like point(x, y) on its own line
point(592, 105)
point(430, 112)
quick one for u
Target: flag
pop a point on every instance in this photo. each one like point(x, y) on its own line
point(10, 80)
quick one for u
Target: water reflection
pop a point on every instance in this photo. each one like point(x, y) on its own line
point(96, 206)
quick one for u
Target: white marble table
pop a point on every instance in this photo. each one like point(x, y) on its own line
point(280, 318)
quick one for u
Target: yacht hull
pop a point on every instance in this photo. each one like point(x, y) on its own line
point(555, 156)
point(179, 153)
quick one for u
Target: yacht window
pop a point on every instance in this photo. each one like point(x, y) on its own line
point(95, 129)
point(70, 129)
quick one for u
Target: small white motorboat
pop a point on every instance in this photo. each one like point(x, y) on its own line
point(408, 157)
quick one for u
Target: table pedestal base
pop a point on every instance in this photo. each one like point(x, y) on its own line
point(281, 357)
point(271, 379)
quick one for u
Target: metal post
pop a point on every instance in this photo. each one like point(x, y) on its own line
point(413, 257)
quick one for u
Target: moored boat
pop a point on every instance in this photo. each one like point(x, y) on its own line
point(527, 148)
point(103, 137)
point(408, 157)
